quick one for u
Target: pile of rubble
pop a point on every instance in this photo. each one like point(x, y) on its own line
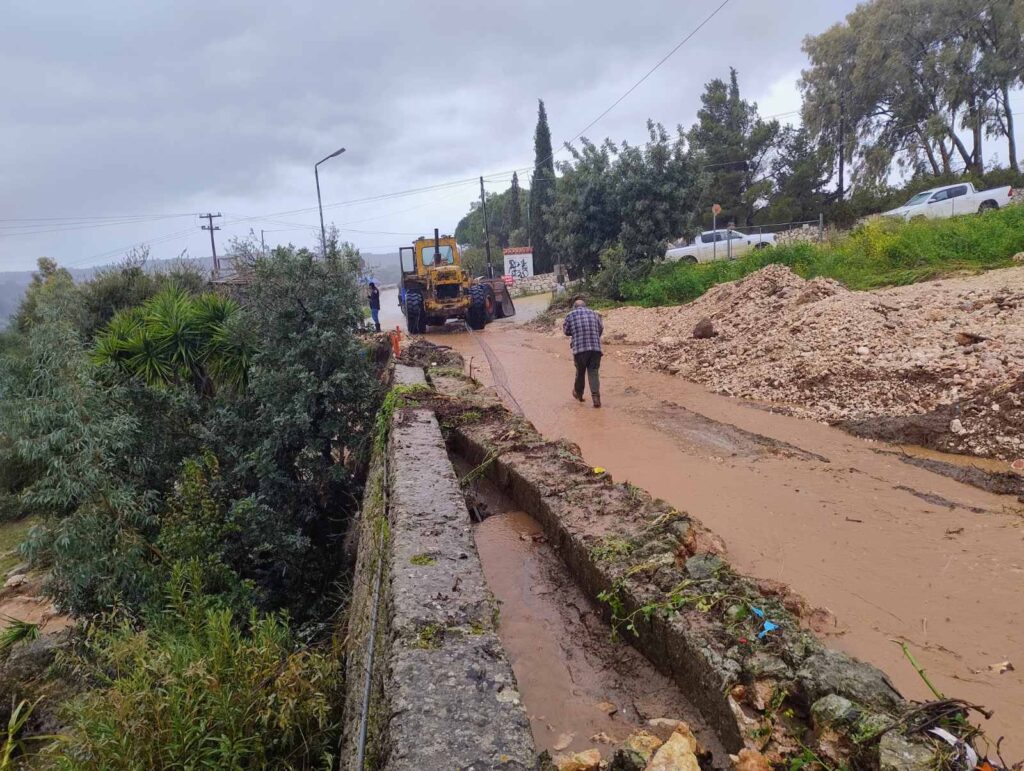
point(836, 355)
point(665, 745)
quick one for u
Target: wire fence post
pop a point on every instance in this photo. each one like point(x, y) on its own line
point(821, 227)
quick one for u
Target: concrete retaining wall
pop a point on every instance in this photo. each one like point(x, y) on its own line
point(443, 695)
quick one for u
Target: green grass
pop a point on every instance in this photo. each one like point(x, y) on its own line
point(12, 534)
point(879, 253)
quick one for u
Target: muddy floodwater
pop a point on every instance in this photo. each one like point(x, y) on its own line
point(887, 550)
point(581, 688)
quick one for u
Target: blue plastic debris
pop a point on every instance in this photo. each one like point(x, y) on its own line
point(767, 627)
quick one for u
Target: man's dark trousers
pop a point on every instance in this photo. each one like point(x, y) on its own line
point(587, 365)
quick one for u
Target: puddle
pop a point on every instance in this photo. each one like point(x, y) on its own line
point(992, 465)
point(575, 681)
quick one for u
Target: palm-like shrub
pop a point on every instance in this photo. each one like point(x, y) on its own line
point(175, 338)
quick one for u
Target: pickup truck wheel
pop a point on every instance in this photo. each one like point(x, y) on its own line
point(689, 259)
point(761, 245)
point(987, 206)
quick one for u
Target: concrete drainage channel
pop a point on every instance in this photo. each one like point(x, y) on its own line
point(582, 689)
point(719, 651)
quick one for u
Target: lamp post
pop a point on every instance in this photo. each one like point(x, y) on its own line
point(316, 173)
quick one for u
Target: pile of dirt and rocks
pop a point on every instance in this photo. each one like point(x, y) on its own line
point(836, 355)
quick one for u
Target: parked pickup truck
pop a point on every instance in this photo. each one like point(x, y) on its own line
point(719, 245)
point(951, 200)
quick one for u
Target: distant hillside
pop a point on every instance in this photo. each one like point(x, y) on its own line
point(383, 268)
point(14, 283)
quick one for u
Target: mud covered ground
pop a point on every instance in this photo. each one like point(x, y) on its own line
point(936, 363)
point(884, 549)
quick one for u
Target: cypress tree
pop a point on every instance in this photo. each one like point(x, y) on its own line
point(512, 215)
point(542, 193)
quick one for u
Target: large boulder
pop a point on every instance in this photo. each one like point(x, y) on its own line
point(704, 330)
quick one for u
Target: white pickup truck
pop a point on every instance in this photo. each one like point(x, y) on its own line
point(951, 200)
point(719, 245)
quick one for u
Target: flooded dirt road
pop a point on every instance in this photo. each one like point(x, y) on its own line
point(892, 551)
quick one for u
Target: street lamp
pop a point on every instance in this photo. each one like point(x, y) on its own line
point(316, 173)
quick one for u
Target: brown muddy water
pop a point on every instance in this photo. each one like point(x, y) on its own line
point(889, 551)
point(581, 688)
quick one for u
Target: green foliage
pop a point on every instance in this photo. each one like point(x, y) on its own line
point(512, 214)
point(638, 197)
point(51, 286)
point(900, 81)
point(295, 440)
point(729, 130)
point(611, 548)
point(175, 338)
point(15, 631)
point(542, 194)
point(194, 690)
point(128, 285)
point(14, 744)
point(879, 253)
point(80, 434)
point(615, 273)
point(197, 524)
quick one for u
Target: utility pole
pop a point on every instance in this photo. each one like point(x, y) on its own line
point(487, 232)
point(263, 243)
point(213, 246)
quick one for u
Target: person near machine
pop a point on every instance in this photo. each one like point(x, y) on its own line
point(585, 328)
point(373, 294)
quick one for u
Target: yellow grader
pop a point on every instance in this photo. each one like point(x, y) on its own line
point(435, 287)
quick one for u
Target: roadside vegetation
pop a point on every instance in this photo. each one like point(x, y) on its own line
point(921, 92)
point(878, 253)
point(182, 466)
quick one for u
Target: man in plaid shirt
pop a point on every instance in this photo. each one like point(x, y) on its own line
point(585, 328)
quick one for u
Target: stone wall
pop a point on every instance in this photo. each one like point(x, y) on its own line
point(806, 234)
point(543, 282)
point(443, 694)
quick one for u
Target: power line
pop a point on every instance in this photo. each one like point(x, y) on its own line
point(8, 231)
point(648, 74)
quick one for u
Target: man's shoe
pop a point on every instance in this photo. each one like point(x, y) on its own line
point(577, 397)
point(597, 400)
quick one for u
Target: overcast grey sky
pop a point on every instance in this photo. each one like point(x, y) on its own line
point(117, 108)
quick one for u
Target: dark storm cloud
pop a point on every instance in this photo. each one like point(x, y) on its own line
point(122, 108)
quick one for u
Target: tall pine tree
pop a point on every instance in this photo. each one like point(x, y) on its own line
point(512, 214)
point(542, 194)
point(736, 145)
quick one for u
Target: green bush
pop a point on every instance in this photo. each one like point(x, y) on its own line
point(879, 253)
point(193, 690)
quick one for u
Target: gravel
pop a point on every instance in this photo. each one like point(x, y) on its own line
point(835, 355)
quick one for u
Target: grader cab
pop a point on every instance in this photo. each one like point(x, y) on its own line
point(435, 287)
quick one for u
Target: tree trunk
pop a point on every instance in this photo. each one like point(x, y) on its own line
point(960, 147)
point(975, 114)
point(929, 152)
point(1011, 140)
point(945, 152)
